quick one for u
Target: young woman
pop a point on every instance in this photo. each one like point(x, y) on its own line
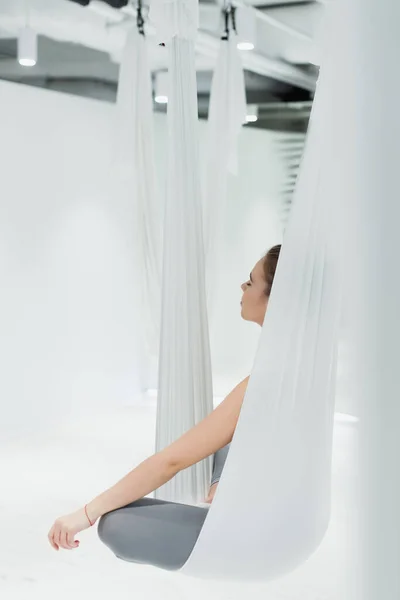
point(163, 534)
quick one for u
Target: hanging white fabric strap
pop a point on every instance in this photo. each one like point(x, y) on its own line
point(185, 384)
point(227, 114)
point(134, 168)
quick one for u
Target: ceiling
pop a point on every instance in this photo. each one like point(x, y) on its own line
point(81, 42)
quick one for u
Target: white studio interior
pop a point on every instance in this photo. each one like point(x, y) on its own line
point(152, 152)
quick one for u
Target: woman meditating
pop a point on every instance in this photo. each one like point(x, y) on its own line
point(155, 532)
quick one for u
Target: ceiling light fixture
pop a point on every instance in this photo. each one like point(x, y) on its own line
point(245, 46)
point(252, 113)
point(246, 28)
point(27, 47)
point(161, 93)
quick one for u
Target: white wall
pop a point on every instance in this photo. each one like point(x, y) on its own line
point(251, 227)
point(67, 332)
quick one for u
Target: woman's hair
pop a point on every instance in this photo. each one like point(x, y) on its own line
point(270, 264)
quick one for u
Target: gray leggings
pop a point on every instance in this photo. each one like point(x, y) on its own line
point(155, 532)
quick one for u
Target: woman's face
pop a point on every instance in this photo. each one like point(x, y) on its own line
point(254, 301)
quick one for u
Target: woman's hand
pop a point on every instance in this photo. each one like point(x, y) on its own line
point(64, 530)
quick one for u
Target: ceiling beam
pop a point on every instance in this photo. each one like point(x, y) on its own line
point(99, 70)
point(70, 23)
point(279, 4)
point(270, 20)
point(208, 45)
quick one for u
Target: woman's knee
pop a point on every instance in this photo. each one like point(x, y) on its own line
point(120, 531)
point(109, 528)
point(152, 532)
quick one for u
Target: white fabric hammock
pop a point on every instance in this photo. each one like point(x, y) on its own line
point(185, 385)
point(227, 114)
point(283, 440)
point(134, 169)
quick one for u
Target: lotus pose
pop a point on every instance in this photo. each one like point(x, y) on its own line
point(163, 534)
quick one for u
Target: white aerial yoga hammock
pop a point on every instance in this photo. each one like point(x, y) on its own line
point(283, 440)
point(287, 415)
point(135, 174)
point(185, 385)
point(226, 116)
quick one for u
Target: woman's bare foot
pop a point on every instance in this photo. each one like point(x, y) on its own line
point(211, 493)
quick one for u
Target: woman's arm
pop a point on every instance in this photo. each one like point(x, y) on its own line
point(208, 436)
point(211, 434)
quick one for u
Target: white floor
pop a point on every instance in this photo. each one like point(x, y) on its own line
point(45, 475)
